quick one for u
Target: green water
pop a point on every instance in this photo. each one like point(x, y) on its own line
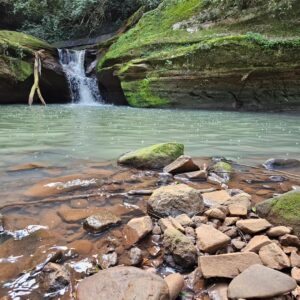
point(62, 135)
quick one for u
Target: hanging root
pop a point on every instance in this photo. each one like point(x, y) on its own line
point(37, 73)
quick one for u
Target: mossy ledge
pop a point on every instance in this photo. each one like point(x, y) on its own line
point(174, 57)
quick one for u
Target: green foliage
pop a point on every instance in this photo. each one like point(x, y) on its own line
point(63, 19)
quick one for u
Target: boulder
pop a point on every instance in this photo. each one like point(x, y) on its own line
point(100, 222)
point(142, 226)
point(174, 200)
point(253, 226)
point(227, 265)
point(256, 243)
point(260, 282)
point(281, 163)
point(181, 247)
point(153, 157)
point(222, 169)
point(210, 239)
point(182, 164)
point(282, 210)
point(123, 283)
point(273, 257)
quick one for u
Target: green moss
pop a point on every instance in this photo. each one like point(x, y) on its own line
point(155, 156)
point(138, 94)
point(287, 206)
point(222, 166)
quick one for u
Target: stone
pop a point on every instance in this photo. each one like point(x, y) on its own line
point(243, 199)
point(123, 283)
point(190, 233)
point(53, 278)
point(273, 257)
point(253, 226)
point(230, 231)
point(174, 200)
point(289, 240)
point(215, 198)
point(199, 220)
point(195, 176)
point(218, 291)
point(278, 231)
point(295, 260)
point(153, 157)
point(296, 274)
point(107, 260)
point(1, 223)
point(215, 213)
point(227, 265)
point(135, 256)
point(79, 203)
point(238, 244)
point(170, 222)
point(256, 243)
point(182, 164)
point(100, 222)
point(156, 229)
point(230, 221)
point(282, 210)
point(260, 282)
point(279, 163)
point(238, 210)
point(142, 226)
point(184, 220)
point(195, 281)
point(181, 247)
point(175, 284)
point(210, 239)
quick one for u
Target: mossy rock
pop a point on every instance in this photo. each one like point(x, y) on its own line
point(154, 157)
point(222, 167)
point(282, 210)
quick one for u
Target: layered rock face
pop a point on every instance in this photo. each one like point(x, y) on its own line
point(191, 54)
point(16, 69)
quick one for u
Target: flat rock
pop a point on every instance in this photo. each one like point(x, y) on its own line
point(174, 200)
point(278, 231)
point(273, 257)
point(296, 274)
point(260, 282)
point(253, 226)
point(256, 243)
point(195, 176)
point(182, 164)
point(142, 226)
point(100, 222)
point(238, 210)
point(210, 239)
point(216, 198)
point(215, 213)
point(290, 240)
point(230, 221)
point(227, 265)
point(123, 283)
point(181, 247)
point(295, 260)
point(243, 199)
point(170, 222)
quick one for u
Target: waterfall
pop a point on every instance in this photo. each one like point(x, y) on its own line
point(84, 90)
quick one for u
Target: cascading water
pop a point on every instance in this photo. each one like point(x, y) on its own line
point(84, 90)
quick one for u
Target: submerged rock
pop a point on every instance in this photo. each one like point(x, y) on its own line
point(281, 163)
point(123, 283)
point(260, 282)
point(100, 222)
point(182, 164)
point(142, 226)
point(153, 157)
point(1, 223)
point(174, 200)
point(282, 210)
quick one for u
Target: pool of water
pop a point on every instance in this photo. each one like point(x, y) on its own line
point(62, 135)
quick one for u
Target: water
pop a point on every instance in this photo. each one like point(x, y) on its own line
point(84, 90)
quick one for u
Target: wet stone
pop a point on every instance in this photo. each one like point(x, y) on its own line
point(100, 222)
point(142, 226)
point(182, 164)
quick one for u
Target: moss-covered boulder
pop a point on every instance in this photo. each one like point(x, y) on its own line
point(16, 68)
point(282, 210)
point(154, 157)
point(210, 54)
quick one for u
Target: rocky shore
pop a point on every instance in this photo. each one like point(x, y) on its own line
point(164, 226)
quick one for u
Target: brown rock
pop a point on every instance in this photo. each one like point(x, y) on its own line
point(170, 222)
point(108, 260)
point(199, 220)
point(210, 239)
point(174, 200)
point(230, 221)
point(253, 226)
point(289, 240)
point(215, 213)
point(196, 175)
point(260, 282)
point(273, 257)
point(175, 284)
point(123, 283)
point(142, 226)
point(238, 210)
point(295, 260)
point(216, 198)
point(182, 164)
point(256, 243)
point(218, 291)
point(238, 244)
point(79, 203)
point(296, 274)
point(184, 220)
point(278, 231)
point(100, 222)
point(83, 247)
point(227, 265)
